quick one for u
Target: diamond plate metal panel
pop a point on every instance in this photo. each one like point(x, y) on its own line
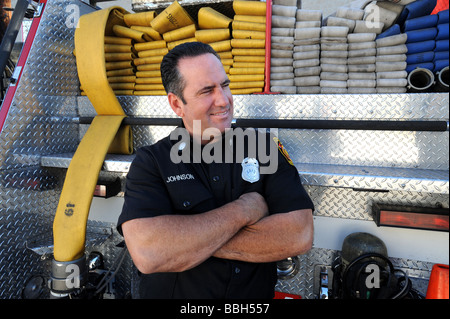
point(432, 106)
point(356, 204)
point(16, 261)
point(417, 150)
point(375, 178)
point(36, 125)
point(423, 150)
point(303, 282)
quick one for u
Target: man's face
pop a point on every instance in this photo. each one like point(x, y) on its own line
point(207, 94)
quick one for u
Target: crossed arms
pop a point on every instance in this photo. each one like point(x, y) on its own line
point(240, 230)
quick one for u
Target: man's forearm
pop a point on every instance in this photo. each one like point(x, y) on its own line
point(173, 243)
point(272, 238)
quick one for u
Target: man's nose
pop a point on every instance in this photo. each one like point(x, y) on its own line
point(221, 97)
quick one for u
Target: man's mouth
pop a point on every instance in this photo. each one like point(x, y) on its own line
point(223, 113)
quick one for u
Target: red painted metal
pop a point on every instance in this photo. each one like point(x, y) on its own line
point(7, 101)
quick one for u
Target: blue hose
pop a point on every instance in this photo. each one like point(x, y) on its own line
point(443, 16)
point(441, 45)
point(440, 64)
point(416, 9)
point(420, 57)
point(441, 55)
point(418, 47)
point(424, 22)
point(426, 65)
point(393, 30)
point(421, 35)
point(442, 31)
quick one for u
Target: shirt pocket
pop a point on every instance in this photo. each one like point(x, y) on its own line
point(192, 198)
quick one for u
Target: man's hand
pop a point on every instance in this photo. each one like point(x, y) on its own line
point(254, 206)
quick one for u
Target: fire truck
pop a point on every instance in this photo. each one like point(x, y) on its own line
point(375, 162)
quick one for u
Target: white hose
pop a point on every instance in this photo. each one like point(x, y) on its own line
point(390, 66)
point(283, 32)
point(361, 68)
point(362, 60)
point(308, 71)
point(392, 40)
point(308, 15)
point(283, 22)
point(361, 37)
point(401, 82)
point(306, 55)
point(396, 49)
point(308, 90)
point(286, 11)
point(284, 89)
point(305, 63)
point(392, 75)
point(334, 68)
point(307, 81)
point(362, 75)
point(362, 83)
point(306, 33)
point(334, 76)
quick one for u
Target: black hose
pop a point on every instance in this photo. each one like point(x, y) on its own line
point(377, 125)
point(402, 290)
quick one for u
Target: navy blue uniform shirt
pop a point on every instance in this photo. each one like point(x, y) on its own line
point(157, 186)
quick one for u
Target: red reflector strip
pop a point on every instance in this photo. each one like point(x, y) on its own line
point(414, 220)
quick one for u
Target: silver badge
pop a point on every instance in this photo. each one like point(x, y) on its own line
point(250, 170)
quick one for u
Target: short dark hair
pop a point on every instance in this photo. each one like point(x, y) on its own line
point(171, 78)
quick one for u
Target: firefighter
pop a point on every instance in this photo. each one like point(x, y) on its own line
point(196, 225)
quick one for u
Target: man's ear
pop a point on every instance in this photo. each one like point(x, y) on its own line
point(176, 104)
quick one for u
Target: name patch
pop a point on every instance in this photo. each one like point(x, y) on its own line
point(181, 177)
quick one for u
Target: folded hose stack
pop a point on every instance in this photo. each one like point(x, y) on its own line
point(421, 33)
point(335, 55)
point(369, 49)
point(361, 63)
point(180, 28)
point(363, 27)
point(441, 50)
point(333, 59)
point(247, 72)
point(283, 23)
point(385, 42)
point(119, 54)
point(213, 28)
point(391, 64)
point(427, 49)
point(306, 55)
point(137, 43)
point(120, 69)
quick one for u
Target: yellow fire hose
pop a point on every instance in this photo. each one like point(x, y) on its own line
point(105, 135)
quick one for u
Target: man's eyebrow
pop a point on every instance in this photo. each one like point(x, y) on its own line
point(210, 87)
